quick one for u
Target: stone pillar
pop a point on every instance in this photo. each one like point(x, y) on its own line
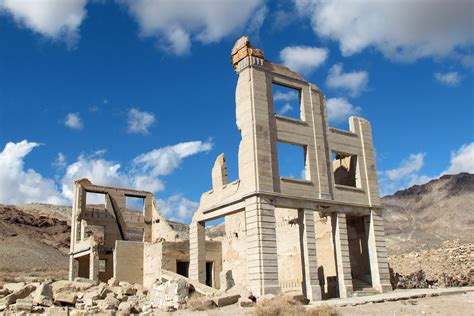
point(341, 245)
point(378, 253)
point(197, 252)
point(94, 264)
point(262, 259)
point(308, 255)
point(73, 273)
point(148, 214)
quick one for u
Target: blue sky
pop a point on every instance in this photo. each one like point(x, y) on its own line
point(142, 93)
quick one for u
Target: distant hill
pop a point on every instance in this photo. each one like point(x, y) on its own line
point(423, 216)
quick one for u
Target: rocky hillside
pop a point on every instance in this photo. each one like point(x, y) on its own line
point(423, 216)
point(34, 238)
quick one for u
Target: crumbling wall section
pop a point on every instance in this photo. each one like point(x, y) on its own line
point(128, 261)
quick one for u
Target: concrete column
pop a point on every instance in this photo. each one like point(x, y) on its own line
point(378, 253)
point(262, 259)
point(341, 245)
point(308, 255)
point(73, 273)
point(148, 214)
point(197, 252)
point(94, 265)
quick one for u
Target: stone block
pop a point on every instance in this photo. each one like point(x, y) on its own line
point(22, 293)
point(14, 286)
point(24, 305)
point(226, 299)
point(85, 280)
point(58, 311)
point(43, 295)
point(65, 298)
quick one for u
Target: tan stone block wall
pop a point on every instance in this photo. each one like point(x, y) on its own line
point(128, 261)
point(290, 276)
point(234, 248)
point(152, 254)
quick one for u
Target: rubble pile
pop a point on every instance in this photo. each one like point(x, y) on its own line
point(448, 266)
point(86, 297)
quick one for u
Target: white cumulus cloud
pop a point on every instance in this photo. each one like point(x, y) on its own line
point(408, 173)
point(139, 121)
point(450, 79)
point(24, 185)
point(303, 59)
point(408, 167)
point(339, 110)
point(285, 109)
point(354, 82)
point(60, 161)
point(401, 29)
point(163, 161)
point(144, 172)
point(285, 96)
point(177, 208)
point(462, 160)
point(73, 120)
point(176, 24)
point(54, 19)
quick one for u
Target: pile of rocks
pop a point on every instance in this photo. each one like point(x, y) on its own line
point(84, 296)
point(81, 294)
point(448, 266)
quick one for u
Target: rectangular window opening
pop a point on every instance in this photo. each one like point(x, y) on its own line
point(182, 268)
point(292, 161)
point(287, 101)
point(345, 169)
point(215, 228)
point(102, 265)
point(209, 273)
point(135, 204)
point(95, 200)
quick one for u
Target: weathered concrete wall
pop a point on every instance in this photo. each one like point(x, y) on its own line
point(290, 276)
point(128, 261)
point(152, 254)
point(234, 248)
point(165, 255)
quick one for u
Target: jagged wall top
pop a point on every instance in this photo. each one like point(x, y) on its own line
point(243, 48)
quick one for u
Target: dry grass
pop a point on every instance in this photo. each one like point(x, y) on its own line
point(283, 305)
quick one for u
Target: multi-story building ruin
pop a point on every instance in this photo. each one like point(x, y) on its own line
point(321, 235)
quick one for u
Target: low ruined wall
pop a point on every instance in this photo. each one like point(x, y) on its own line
point(128, 261)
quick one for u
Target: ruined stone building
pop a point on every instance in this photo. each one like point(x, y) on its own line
point(321, 235)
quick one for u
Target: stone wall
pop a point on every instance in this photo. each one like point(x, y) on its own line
point(128, 261)
point(290, 275)
point(234, 248)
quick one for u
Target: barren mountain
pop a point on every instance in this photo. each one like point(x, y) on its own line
point(423, 216)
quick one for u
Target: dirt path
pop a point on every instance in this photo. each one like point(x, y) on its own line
point(456, 304)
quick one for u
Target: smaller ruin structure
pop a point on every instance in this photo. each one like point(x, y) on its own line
point(320, 234)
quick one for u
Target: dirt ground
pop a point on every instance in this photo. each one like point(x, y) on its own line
point(455, 304)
